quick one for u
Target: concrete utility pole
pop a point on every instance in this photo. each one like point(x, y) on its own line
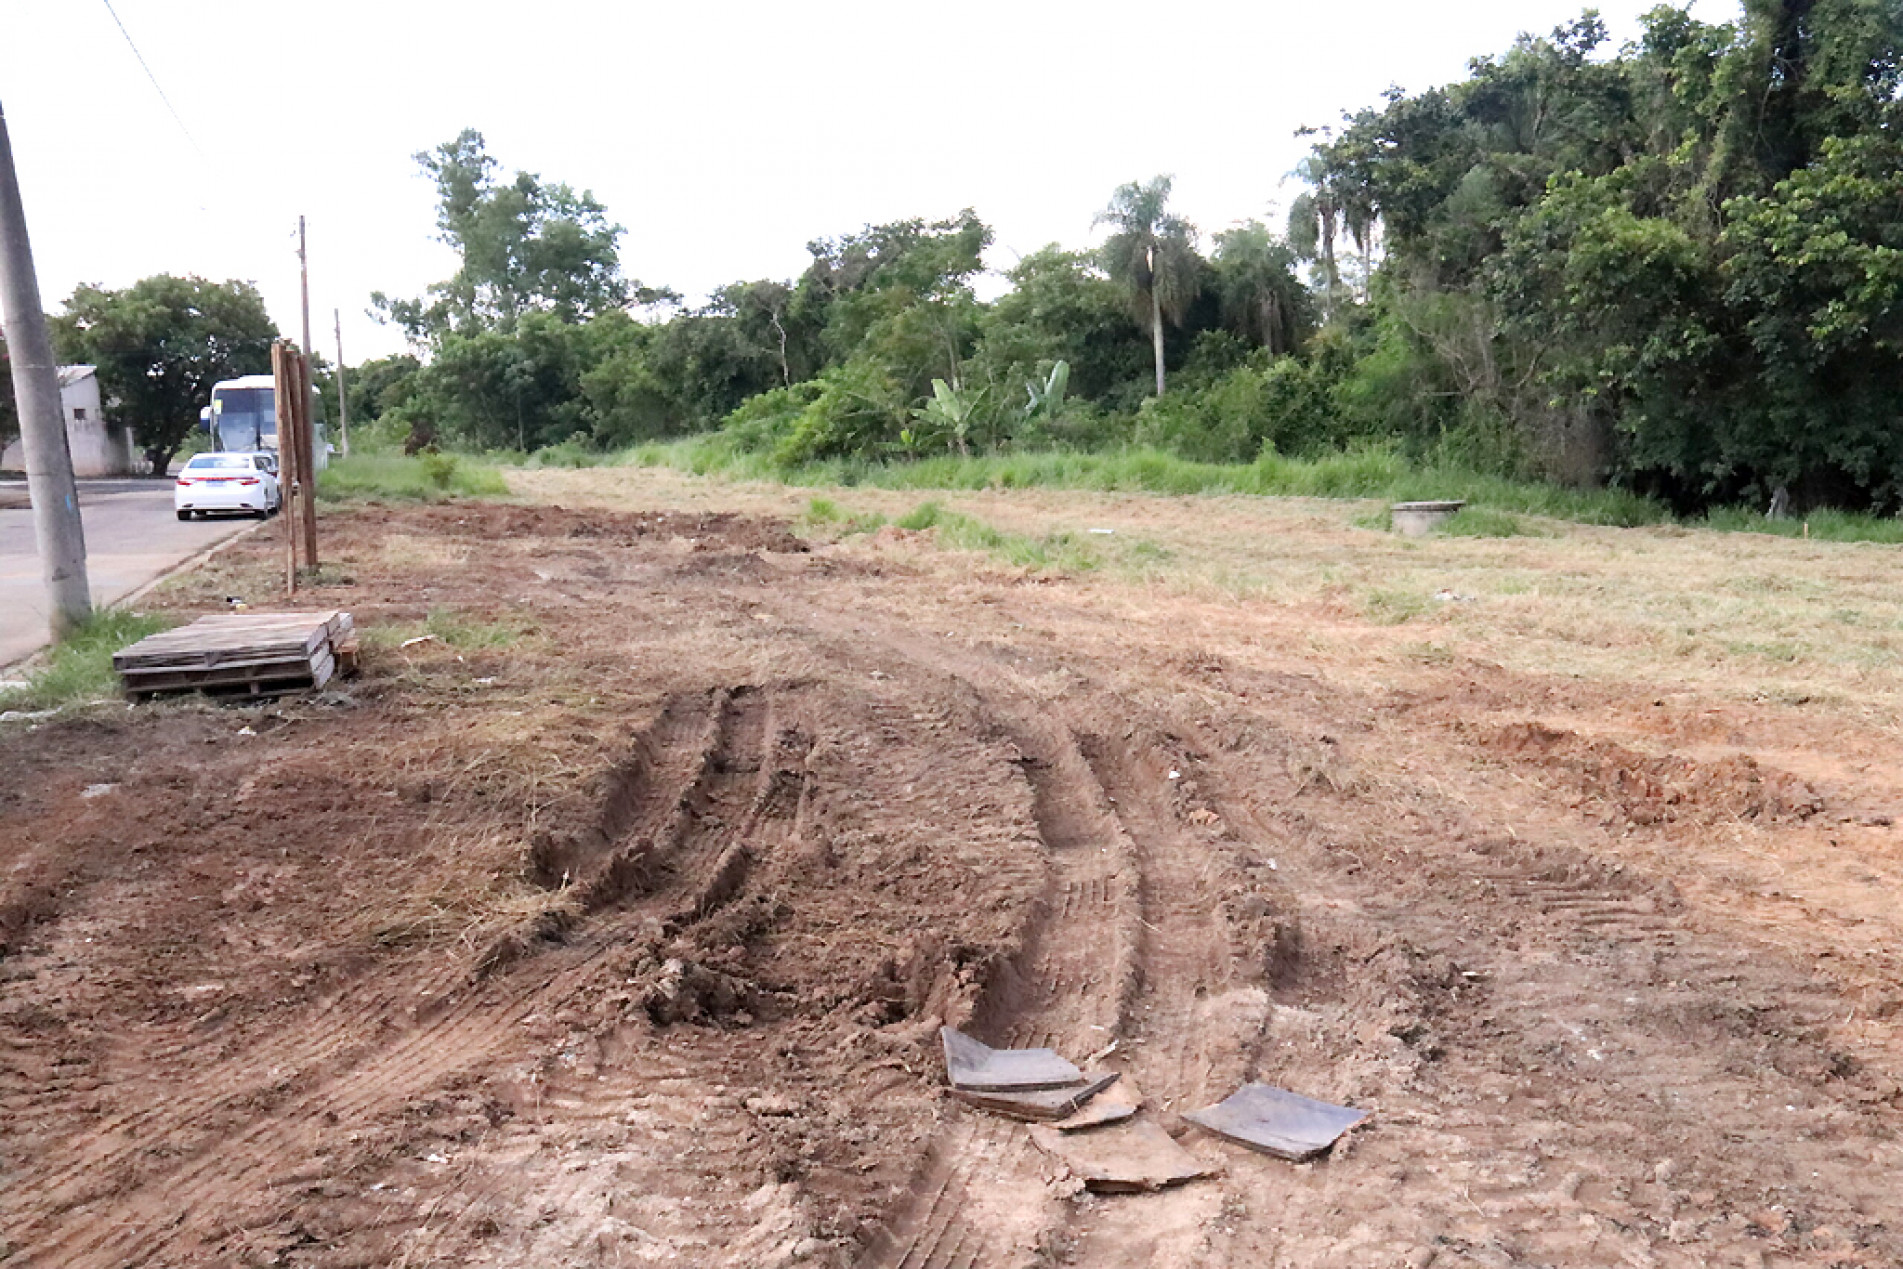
point(343, 397)
point(49, 462)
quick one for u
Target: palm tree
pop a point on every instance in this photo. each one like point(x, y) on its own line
point(1262, 300)
point(1153, 254)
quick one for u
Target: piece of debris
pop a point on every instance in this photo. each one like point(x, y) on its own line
point(975, 1066)
point(411, 643)
point(1103, 532)
point(1113, 1105)
point(1452, 597)
point(97, 790)
point(1123, 1159)
point(1276, 1121)
point(1041, 1104)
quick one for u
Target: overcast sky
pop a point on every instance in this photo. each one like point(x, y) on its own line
point(724, 136)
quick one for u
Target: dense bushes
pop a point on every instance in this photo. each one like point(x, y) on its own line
point(1672, 268)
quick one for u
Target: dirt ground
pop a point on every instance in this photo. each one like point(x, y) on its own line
point(612, 923)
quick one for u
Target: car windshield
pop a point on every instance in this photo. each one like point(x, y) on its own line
point(233, 462)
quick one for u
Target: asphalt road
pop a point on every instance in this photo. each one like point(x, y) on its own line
point(132, 535)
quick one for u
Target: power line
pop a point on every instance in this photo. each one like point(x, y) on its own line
point(156, 87)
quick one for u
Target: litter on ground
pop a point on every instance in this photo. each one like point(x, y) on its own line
point(1276, 1121)
point(1121, 1159)
point(974, 1066)
point(1041, 1104)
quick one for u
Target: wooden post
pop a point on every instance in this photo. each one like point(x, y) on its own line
point(283, 390)
point(307, 461)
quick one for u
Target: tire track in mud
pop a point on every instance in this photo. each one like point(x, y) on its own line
point(698, 769)
point(979, 1198)
point(1184, 1019)
point(1193, 1019)
point(666, 755)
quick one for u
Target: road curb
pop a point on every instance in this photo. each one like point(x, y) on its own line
point(140, 592)
point(187, 565)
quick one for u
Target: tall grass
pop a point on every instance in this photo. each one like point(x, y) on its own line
point(423, 478)
point(1826, 526)
point(79, 667)
point(1362, 473)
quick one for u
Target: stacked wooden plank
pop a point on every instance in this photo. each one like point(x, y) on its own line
point(254, 653)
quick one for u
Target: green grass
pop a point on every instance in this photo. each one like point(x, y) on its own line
point(826, 516)
point(424, 478)
point(1363, 473)
point(1484, 522)
point(1825, 526)
point(79, 668)
point(1061, 551)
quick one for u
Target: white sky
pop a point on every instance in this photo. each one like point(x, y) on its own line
point(724, 136)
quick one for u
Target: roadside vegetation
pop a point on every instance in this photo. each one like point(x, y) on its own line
point(79, 669)
point(1616, 285)
point(426, 477)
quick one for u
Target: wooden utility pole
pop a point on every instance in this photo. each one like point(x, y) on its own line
point(343, 397)
point(304, 281)
point(307, 462)
point(283, 385)
point(49, 460)
point(297, 474)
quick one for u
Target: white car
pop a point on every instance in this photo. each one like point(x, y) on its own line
point(227, 482)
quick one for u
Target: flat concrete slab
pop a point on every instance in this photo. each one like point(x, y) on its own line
point(1276, 1121)
point(132, 536)
point(1122, 1159)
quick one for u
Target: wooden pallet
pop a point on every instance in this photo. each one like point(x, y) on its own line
point(243, 653)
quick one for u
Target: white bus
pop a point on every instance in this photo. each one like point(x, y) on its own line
point(244, 417)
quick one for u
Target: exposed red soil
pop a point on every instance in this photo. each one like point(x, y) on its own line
point(615, 926)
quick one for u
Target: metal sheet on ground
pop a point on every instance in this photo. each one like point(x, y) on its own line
point(976, 1066)
point(1276, 1121)
point(1040, 1104)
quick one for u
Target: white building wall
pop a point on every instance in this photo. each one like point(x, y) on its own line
point(98, 448)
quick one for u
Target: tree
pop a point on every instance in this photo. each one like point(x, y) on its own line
point(159, 345)
point(1262, 301)
point(1061, 307)
point(1152, 255)
point(525, 246)
point(9, 409)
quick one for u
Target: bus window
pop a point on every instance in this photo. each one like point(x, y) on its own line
point(244, 418)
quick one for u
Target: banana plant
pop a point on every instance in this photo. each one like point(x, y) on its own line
point(949, 415)
point(1048, 399)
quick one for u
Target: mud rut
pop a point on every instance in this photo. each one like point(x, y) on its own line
point(1518, 1010)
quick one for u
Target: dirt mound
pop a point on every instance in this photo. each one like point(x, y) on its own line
point(1657, 789)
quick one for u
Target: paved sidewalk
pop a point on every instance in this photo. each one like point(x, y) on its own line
point(132, 536)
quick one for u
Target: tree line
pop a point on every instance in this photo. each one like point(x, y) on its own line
point(1672, 266)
